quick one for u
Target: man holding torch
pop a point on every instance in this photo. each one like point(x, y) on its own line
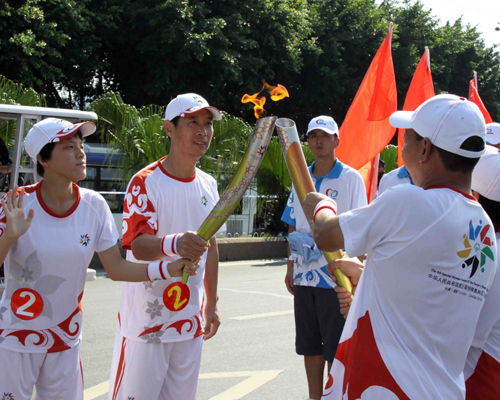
point(431, 261)
point(318, 322)
point(160, 324)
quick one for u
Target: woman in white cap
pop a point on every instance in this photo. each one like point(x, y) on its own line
point(482, 368)
point(46, 256)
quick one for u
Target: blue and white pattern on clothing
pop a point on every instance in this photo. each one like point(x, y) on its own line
point(345, 185)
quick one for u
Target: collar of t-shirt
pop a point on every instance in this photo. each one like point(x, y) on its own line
point(469, 196)
point(333, 174)
point(403, 173)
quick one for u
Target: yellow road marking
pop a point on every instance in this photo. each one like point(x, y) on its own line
point(255, 379)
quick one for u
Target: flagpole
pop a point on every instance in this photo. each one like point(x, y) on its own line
point(475, 80)
point(428, 57)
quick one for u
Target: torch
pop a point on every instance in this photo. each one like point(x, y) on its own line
point(302, 181)
point(246, 171)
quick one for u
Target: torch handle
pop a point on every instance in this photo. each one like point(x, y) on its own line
point(342, 280)
point(204, 233)
point(184, 276)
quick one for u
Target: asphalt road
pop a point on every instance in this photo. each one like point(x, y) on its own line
point(252, 357)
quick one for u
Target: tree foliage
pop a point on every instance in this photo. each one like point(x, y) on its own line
point(16, 94)
point(149, 51)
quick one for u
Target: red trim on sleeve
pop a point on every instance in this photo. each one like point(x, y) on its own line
point(186, 180)
point(173, 244)
point(469, 196)
point(161, 272)
point(48, 210)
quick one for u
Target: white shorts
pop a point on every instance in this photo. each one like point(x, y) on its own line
point(56, 376)
point(155, 371)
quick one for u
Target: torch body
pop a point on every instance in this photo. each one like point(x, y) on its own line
point(242, 178)
point(297, 166)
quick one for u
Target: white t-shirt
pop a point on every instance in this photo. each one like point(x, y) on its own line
point(45, 272)
point(395, 177)
point(431, 261)
point(159, 204)
point(343, 184)
point(483, 360)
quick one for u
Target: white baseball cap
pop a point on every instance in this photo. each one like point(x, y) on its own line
point(325, 123)
point(493, 133)
point(486, 174)
point(53, 130)
point(447, 120)
point(187, 104)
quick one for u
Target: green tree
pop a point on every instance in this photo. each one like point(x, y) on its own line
point(16, 94)
point(58, 47)
point(138, 134)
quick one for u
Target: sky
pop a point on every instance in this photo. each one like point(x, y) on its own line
point(483, 13)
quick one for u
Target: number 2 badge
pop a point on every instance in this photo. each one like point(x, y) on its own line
point(176, 296)
point(26, 304)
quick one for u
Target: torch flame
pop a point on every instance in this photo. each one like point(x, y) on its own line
point(277, 93)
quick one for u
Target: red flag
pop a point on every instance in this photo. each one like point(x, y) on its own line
point(366, 129)
point(369, 173)
point(474, 97)
point(421, 88)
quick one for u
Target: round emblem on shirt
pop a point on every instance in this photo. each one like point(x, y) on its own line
point(332, 193)
point(176, 296)
point(26, 304)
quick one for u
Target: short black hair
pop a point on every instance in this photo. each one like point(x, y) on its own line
point(454, 162)
point(175, 121)
point(46, 154)
point(492, 208)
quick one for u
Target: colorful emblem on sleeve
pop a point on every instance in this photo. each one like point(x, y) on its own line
point(477, 248)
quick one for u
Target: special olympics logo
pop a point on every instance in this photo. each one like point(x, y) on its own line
point(479, 244)
point(199, 101)
point(332, 193)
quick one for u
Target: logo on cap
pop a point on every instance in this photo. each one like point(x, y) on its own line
point(321, 122)
point(195, 98)
point(489, 131)
point(68, 128)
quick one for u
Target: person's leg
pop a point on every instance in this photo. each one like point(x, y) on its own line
point(138, 369)
point(18, 373)
point(315, 368)
point(331, 321)
point(308, 339)
point(183, 371)
point(61, 376)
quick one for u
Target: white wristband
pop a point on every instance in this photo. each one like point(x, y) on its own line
point(325, 203)
point(169, 245)
point(158, 271)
